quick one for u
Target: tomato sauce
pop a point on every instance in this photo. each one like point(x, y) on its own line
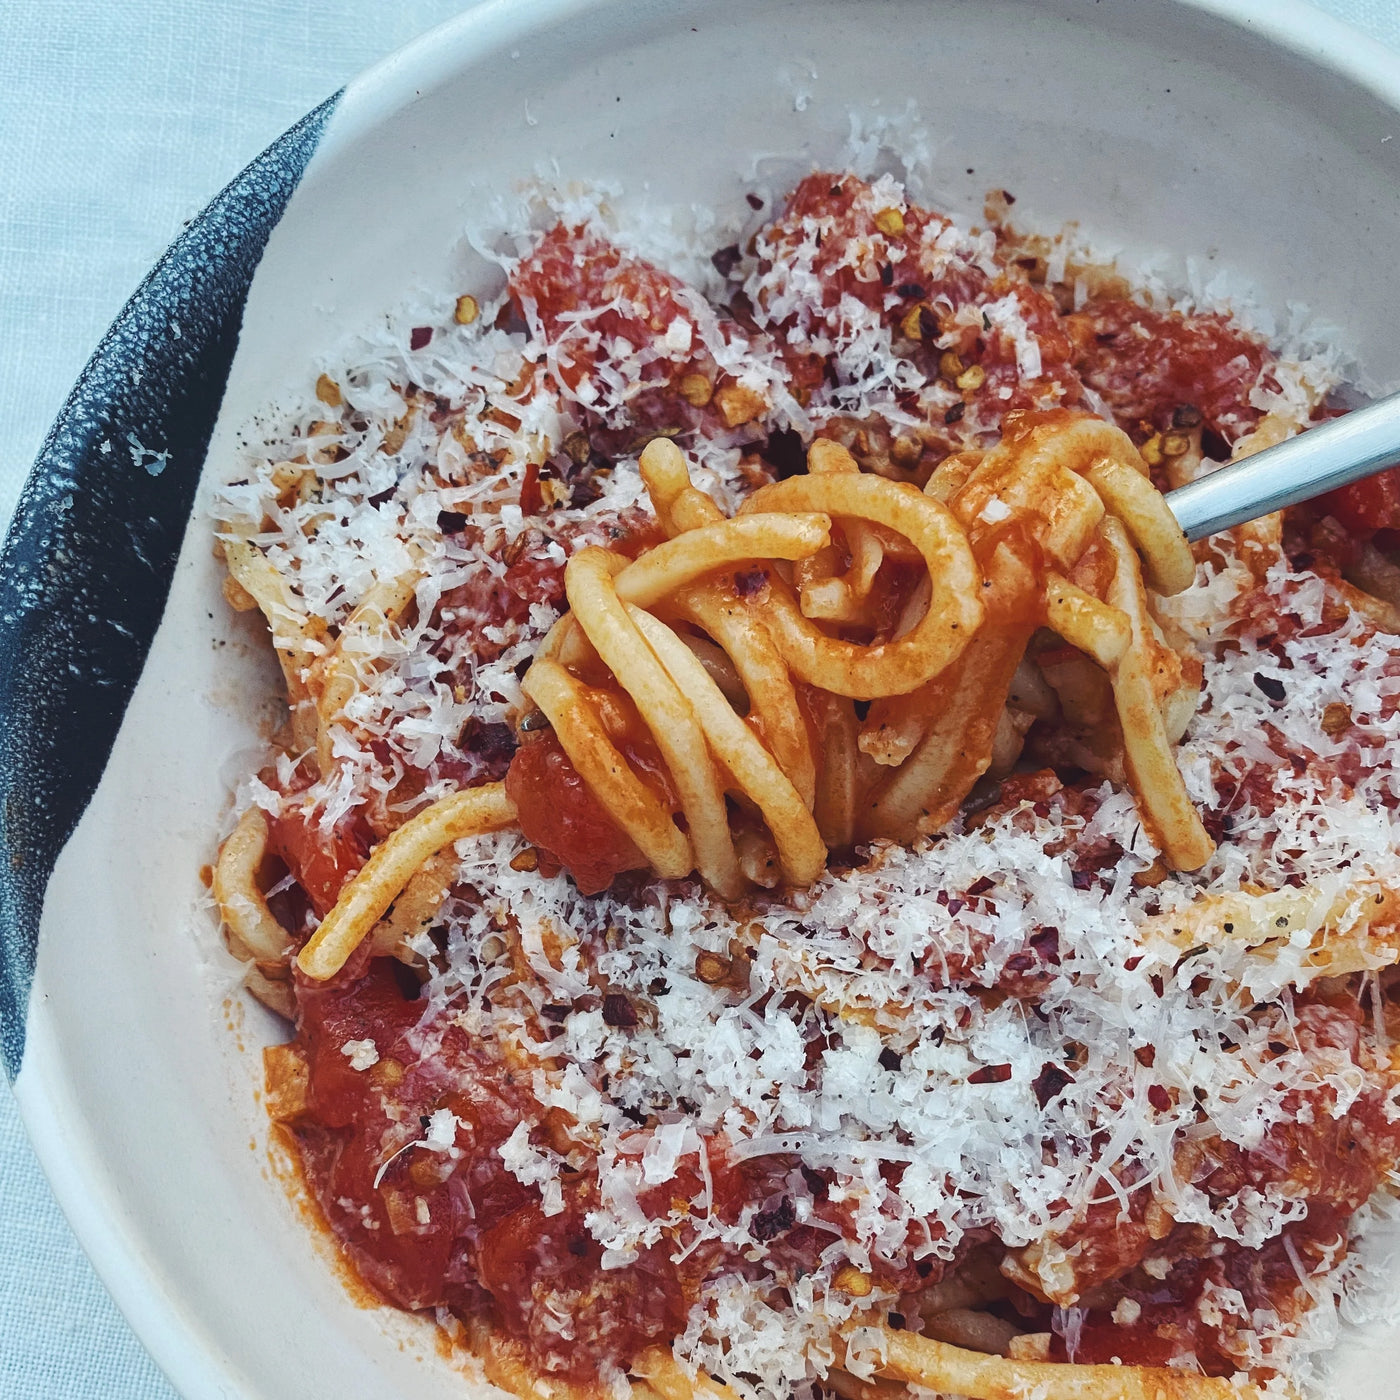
point(859, 241)
point(895, 263)
point(562, 818)
point(454, 1228)
point(1058, 375)
point(1365, 508)
point(1147, 364)
point(533, 573)
point(597, 305)
point(1182, 1314)
point(1333, 1163)
point(576, 286)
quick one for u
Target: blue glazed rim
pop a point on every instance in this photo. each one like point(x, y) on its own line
point(87, 562)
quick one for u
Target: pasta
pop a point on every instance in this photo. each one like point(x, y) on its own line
point(788, 873)
point(979, 1376)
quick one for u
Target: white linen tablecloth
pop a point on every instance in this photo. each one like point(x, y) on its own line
point(117, 123)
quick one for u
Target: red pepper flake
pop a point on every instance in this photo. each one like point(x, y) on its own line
point(954, 414)
point(754, 201)
point(990, 1074)
point(1145, 1055)
point(419, 336)
point(531, 496)
point(618, 1011)
point(1048, 1084)
point(725, 260)
point(493, 742)
point(510, 320)
point(1158, 1097)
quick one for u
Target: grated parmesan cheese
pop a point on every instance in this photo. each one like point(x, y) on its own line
point(362, 1054)
point(863, 1044)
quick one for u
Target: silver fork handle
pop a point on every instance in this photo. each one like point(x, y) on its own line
point(1333, 454)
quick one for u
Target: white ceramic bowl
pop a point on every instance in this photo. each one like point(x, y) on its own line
point(1254, 135)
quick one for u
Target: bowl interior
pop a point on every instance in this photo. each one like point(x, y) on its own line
point(1165, 130)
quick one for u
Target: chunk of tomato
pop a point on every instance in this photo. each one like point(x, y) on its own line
point(540, 1267)
point(1365, 507)
point(560, 815)
point(320, 861)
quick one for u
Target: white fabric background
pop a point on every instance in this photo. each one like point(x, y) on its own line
point(117, 123)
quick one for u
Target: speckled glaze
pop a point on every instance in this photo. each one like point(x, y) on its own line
point(87, 563)
point(1254, 134)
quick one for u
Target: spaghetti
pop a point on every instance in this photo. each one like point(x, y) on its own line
point(785, 866)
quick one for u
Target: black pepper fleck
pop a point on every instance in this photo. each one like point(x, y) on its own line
point(769, 1224)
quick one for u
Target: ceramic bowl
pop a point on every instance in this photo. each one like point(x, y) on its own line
point(1254, 136)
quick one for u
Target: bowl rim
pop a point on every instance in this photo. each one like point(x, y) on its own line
point(190, 1359)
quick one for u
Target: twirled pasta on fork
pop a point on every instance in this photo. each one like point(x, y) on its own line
point(1052, 529)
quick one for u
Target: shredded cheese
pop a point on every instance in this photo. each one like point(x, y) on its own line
point(861, 1042)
